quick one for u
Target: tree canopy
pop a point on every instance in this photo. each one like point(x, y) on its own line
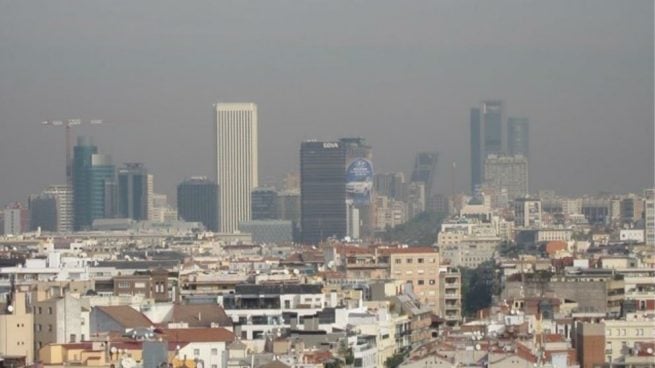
point(479, 285)
point(421, 230)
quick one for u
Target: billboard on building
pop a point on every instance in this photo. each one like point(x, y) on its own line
point(359, 181)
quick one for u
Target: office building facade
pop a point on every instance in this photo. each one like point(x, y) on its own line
point(102, 178)
point(63, 195)
point(390, 185)
point(264, 204)
point(506, 177)
point(649, 217)
point(236, 144)
point(425, 166)
point(16, 219)
point(93, 173)
point(197, 201)
point(133, 192)
point(359, 187)
point(43, 212)
point(518, 137)
point(486, 137)
point(323, 191)
point(527, 212)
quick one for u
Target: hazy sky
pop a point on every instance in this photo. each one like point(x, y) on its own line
point(402, 74)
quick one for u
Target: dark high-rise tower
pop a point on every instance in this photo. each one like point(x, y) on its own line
point(492, 123)
point(102, 175)
point(264, 204)
point(518, 137)
point(43, 212)
point(92, 172)
point(323, 191)
point(486, 137)
point(82, 154)
point(133, 192)
point(197, 201)
point(476, 149)
point(425, 166)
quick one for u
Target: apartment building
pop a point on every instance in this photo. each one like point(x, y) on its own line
point(16, 328)
point(450, 289)
point(418, 266)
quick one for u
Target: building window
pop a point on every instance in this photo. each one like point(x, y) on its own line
point(72, 339)
point(421, 282)
point(40, 310)
point(123, 285)
point(49, 310)
point(38, 328)
point(196, 352)
point(420, 260)
point(214, 351)
point(398, 261)
point(410, 260)
point(49, 328)
point(432, 282)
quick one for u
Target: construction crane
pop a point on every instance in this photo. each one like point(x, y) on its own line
point(68, 124)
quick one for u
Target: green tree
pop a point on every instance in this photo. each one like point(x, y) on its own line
point(508, 249)
point(421, 230)
point(334, 363)
point(394, 361)
point(479, 285)
point(346, 353)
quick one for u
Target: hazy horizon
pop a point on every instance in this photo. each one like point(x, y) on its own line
point(402, 75)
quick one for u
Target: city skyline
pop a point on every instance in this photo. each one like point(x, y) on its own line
point(564, 85)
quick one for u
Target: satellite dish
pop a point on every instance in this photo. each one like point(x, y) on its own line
point(649, 350)
point(113, 350)
point(128, 363)
point(10, 308)
point(477, 347)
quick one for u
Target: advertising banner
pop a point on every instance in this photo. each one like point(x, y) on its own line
point(359, 181)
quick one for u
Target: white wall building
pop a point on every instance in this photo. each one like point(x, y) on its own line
point(236, 161)
point(649, 211)
point(64, 201)
point(506, 174)
point(632, 235)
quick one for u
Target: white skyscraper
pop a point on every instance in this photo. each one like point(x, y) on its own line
point(150, 190)
point(236, 161)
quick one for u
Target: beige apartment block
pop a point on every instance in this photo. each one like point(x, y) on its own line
point(16, 328)
point(418, 266)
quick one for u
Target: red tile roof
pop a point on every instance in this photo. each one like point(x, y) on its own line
point(408, 250)
point(200, 315)
point(196, 334)
point(126, 316)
